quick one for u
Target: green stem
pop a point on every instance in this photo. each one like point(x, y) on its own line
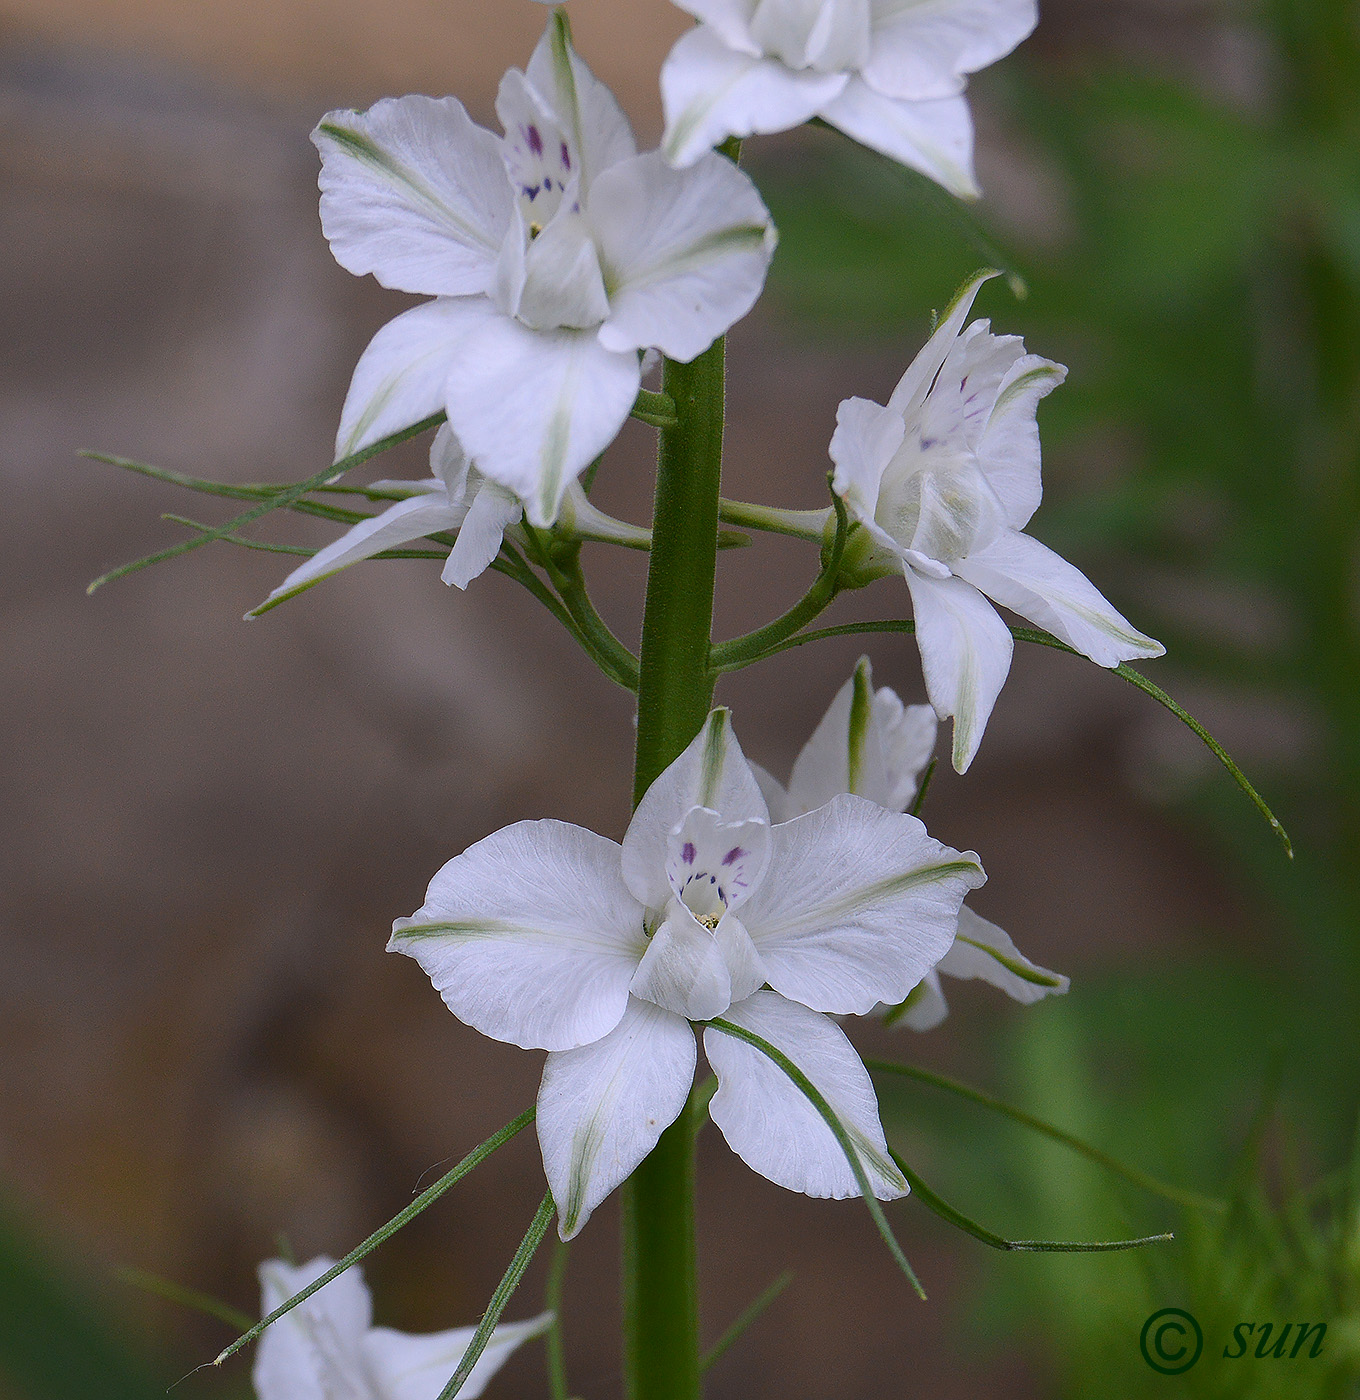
point(801, 524)
point(675, 690)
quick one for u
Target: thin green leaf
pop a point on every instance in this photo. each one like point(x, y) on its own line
point(283, 498)
point(505, 1289)
point(750, 1314)
point(920, 800)
point(426, 1198)
point(185, 1297)
point(828, 1115)
point(1192, 1200)
point(921, 1192)
point(1046, 639)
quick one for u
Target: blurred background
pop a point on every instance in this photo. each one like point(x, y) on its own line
point(212, 825)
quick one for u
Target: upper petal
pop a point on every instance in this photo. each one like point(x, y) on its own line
point(399, 524)
point(731, 19)
point(965, 655)
point(984, 951)
point(915, 384)
point(530, 935)
point(934, 137)
point(1008, 450)
point(921, 48)
point(965, 391)
point(602, 1108)
point(684, 252)
point(417, 1367)
point(710, 91)
point(767, 1120)
point(857, 906)
point(415, 193)
point(712, 772)
point(312, 1352)
point(535, 408)
point(1029, 578)
point(400, 377)
point(584, 107)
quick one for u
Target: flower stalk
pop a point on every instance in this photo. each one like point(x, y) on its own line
point(675, 690)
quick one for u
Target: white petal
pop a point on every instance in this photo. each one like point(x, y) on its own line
point(1029, 578)
point(984, 951)
point(417, 1367)
point(400, 377)
point(602, 1108)
point(907, 734)
point(584, 107)
point(712, 772)
point(926, 1006)
point(312, 1352)
point(965, 654)
point(450, 464)
point(968, 384)
point(683, 969)
point(399, 524)
point(684, 252)
point(1008, 451)
point(934, 137)
point(479, 538)
point(744, 967)
point(731, 19)
point(714, 865)
point(530, 935)
point(710, 92)
point(845, 752)
point(534, 408)
point(768, 1122)
point(782, 806)
point(866, 438)
point(920, 375)
point(563, 285)
point(920, 50)
point(857, 906)
point(415, 193)
point(828, 35)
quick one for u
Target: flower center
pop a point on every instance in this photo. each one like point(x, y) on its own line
point(938, 506)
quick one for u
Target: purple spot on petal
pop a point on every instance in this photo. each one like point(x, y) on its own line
point(566, 157)
point(687, 853)
point(735, 853)
point(535, 140)
point(928, 443)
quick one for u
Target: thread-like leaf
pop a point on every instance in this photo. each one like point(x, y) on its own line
point(426, 1198)
point(1193, 1200)
point(185, 1297)
point(751, 1313)
point(505, 1289)
point(928, 1198)
point(828, 1115)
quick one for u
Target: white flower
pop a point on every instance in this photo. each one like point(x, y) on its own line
point(550, 937)
point(555, 253)
point(890, 73)
point(943, 481)
point(457, 497)
point(327, 1348)
point(871, 744)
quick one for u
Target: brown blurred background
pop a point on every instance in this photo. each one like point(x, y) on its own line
point(212, 824)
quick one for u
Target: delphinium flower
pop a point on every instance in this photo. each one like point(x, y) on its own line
point(327, 1348)
point(942, 482)
point(890, 73)
point(548, 936)
point(456, 497)
point(871, 744)
point(556, 254)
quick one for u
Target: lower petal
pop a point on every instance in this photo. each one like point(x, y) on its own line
point(1029, 578)
point(533, 408)
point(410, 1366)
point(934, 137)
point(683, 970)
point(479, 538)
point(965, 654)
point(770, 1124)
point(602, 1108)
point(711, 92)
